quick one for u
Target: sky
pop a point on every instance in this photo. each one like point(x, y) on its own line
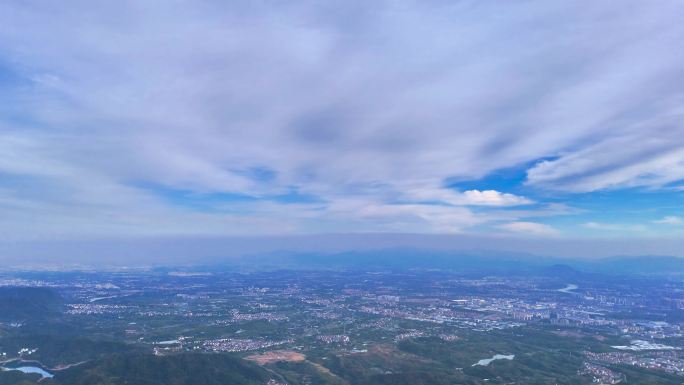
point(531, 120)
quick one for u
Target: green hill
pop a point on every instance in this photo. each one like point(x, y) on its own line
point(181, 369)
point(21, 303)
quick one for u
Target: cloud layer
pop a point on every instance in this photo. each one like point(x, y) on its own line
point(248, 117)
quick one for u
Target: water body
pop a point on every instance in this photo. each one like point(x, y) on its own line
point(29, 370)
point(101, 298)
point(569, 289)
point(488, 361)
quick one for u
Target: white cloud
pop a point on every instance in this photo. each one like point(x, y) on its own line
point(465, 198)
point(648, 157)
point(493, 198)
point(530, 228)
point(670, 220)
point(354, 100)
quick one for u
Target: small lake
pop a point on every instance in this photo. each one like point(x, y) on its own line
point(488, 361)
point(30, 370)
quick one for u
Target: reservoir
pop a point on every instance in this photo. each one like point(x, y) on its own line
point(29, 370)
point(569, 288)
point(488, 361)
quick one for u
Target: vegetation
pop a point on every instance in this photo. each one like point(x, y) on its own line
point(21, 303)
point(180, 369)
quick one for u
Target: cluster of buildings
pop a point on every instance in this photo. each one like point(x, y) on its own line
point(91, 309)
point(600, 374)
point(240, 345)
point(668, 361)
point(270, 317)
point(408, 335)
point(334, 338)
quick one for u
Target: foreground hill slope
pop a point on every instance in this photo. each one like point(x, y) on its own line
point(22, 303)
point(181, 369)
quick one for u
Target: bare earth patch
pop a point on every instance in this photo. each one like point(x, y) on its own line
point(276, 356)
point(568, 334)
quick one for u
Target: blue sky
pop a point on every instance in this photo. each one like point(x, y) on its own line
point(535, 119)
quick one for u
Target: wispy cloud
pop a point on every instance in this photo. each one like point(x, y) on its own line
point(529, 228)
point(617, 227)
point(367, 106)
point(670, 220)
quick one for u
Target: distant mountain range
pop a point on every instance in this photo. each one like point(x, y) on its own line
point(475, 263)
